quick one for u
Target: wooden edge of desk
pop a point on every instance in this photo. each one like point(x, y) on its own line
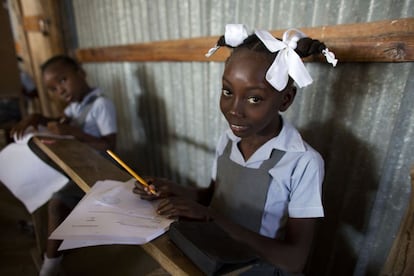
point(75, 177)
point(163, 250)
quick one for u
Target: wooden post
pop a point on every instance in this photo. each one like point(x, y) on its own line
point(41, 25)
point(401, 257)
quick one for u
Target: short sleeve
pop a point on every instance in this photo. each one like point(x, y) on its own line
point(105, 116)
point(306, 187)
point(68, 111)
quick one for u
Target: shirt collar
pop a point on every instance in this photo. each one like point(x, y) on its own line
point(93, 93)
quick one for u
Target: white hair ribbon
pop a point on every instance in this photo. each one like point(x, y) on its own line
point(330, 57)
point(212, 51)
point(234, 35)
point(287, 62)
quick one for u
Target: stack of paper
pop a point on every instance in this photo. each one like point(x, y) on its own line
point(111, 214)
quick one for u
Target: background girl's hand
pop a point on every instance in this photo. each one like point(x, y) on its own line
point(174, 207)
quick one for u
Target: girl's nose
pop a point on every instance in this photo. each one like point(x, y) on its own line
point(59, 89)
point(236, 108)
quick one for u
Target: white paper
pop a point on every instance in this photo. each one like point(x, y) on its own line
point(111, 214)
point(70, 244)
point(30, 179)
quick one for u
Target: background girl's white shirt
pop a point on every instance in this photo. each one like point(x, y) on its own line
point(101, 118)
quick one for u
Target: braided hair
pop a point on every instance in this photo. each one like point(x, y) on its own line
point(60, 59)
point(306, 46)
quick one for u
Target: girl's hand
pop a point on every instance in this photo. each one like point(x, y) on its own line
point(163, 187)
point(145, 192)
point(174, 207)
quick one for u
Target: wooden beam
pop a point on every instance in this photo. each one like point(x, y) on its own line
point(381, 41)
point(170, 50)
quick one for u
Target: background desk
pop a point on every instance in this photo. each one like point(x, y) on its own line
point(85, 166)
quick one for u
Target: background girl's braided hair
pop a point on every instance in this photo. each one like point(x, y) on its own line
point(305, 46)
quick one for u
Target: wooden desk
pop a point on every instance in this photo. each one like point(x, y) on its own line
point(85, 166)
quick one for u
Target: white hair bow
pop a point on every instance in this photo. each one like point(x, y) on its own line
point(287, 62)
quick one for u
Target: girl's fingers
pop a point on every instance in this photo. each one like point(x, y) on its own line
point(163, 205)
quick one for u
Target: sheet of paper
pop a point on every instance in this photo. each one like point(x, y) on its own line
point(71, 244)
point(30, 179)
point(111, 214)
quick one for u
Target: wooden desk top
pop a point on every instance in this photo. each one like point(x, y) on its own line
point(80, 162)
point(85, 166)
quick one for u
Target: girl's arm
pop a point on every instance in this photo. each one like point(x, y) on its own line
point(290, 254)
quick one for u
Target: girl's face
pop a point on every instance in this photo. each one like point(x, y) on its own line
point(248, 102)
point(65, 81)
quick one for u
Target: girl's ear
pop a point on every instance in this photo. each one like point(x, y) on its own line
point(288, 97)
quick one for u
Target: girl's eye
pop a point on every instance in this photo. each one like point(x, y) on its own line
point(254, 100)
point(52, 89)
point(226, 92)
point(62, 80)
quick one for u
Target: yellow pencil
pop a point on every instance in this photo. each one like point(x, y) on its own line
point(131, 172)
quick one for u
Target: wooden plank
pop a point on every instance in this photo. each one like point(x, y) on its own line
point(169, 50)
point(381, 41)
point(42, 46)
point(401, 256)
point(32, 23)
point(163, 250)
point(80, 162)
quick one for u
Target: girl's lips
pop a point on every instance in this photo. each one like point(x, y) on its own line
point(237, 127)
point(67, 98)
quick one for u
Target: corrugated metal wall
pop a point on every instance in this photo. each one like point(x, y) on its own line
point(359, 116)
